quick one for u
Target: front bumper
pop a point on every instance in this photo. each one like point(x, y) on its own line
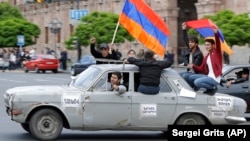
point(235, 120)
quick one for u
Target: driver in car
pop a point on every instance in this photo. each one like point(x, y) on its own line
point(116, 85)
point(244, 77)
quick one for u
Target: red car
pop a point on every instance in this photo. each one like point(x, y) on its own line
point(41, 62)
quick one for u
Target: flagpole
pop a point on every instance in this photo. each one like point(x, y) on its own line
point(113, 39)
point(117, 25)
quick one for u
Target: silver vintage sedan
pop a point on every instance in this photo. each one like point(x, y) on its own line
point(86, 104)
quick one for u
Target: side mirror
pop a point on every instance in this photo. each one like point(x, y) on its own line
point(73, 77)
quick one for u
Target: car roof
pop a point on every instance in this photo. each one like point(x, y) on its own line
point(131, 67)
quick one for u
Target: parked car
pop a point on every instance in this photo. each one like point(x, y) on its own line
point(241, 90)
point(41, 62)
point(86, 104)
point(83, 64)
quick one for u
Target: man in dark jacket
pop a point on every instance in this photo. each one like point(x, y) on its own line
point(193, 54)
point(150, 72)
point(106, 51)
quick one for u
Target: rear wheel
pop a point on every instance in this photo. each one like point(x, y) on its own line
point(46, 124)
point(191, 119)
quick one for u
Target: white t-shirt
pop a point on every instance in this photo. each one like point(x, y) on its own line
point(211, 71)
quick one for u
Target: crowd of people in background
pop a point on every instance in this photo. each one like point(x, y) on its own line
point(13, 58)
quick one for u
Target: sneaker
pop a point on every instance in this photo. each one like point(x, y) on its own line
point(210, 91)
point(196, 88)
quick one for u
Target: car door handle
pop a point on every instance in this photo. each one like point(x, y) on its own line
point(244, 86)
point(129, 97)
point(172, 97)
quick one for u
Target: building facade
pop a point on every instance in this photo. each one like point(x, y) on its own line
point(173, 13)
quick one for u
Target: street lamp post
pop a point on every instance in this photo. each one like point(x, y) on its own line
point(55, 27)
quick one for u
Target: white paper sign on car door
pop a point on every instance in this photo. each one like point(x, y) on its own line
point(223, 101)
point(187, 93)
point(148, 110)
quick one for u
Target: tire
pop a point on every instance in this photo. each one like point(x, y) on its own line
point(37, 70)
point(26, 70)
point(43, 71)
point(73, 72)
point(26, 127)
point(191, 119)
point(54, 71)
point(46, 124)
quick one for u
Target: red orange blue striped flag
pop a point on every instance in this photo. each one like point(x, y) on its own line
point(145, 25)
point(205, 28)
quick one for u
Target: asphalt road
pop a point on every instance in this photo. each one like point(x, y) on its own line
point(12, 131)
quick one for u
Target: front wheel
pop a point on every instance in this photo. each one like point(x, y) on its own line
point(26, 127)
point(46, 124)
point(191, 119)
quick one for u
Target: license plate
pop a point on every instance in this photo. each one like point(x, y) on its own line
point(49, 62)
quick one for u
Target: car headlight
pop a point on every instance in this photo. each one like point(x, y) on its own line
point(8, 99)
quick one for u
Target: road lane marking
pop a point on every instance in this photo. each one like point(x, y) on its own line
point(14, 80)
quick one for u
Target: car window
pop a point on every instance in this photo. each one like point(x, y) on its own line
point(103, 83)
point(164, 86)
point(34, 57)
point(86, 78)
point(85, 59)
point(48, 57)
point(233, 74)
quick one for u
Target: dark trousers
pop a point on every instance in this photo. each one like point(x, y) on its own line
point(64, 64)
point(151, 90)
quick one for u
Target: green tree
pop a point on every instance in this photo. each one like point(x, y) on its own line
point(12, 23)
point(235, 28)
point(100, 25)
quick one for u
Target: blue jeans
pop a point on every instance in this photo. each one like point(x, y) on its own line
point(203, 81)
point(148, 89)
point(185, 75)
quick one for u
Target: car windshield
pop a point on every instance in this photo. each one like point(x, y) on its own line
point(84, 79)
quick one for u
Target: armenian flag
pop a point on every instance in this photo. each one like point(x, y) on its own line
point(145, 25)
point(205, 28)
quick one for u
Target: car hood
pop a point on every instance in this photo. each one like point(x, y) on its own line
point(45, 89)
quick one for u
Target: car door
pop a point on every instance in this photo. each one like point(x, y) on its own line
point(106, 108)
point(153, 110)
